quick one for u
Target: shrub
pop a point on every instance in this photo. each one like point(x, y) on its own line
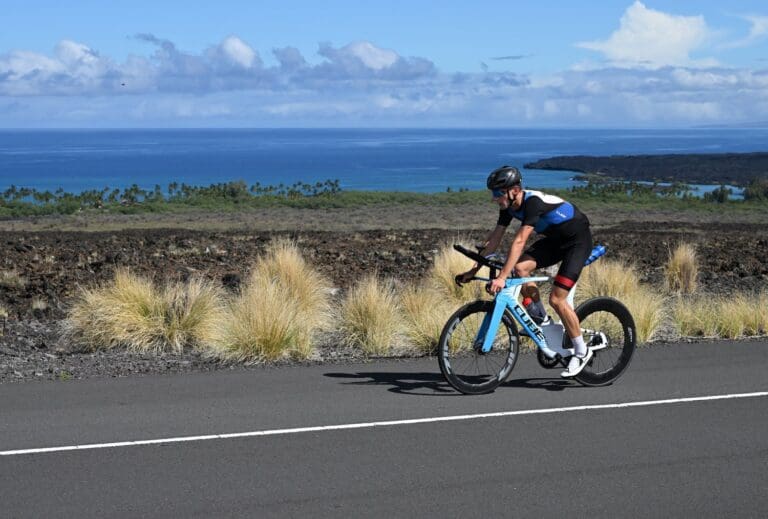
point(425, 311)
point(682, 269)
point(371, 317)
point(620, 280)
point(694, 317)
point(756, 318)
point(730, 316)
point(193, 313)
point(447, 263)
point(647, 308)
point(39, 305)
point(127, 312)
point(727, 317)
point(131, 312)
point(757, 189)
point(280, 309)
point(608, 278)
point(304, 285)
point(260, 325)
point(11, 279)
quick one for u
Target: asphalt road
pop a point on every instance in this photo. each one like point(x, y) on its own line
point(556, 449)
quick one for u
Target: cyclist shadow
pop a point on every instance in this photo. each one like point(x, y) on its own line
point(548, 384)
point(433, 384)
point(405, 383)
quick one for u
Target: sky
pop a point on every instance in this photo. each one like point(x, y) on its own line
point(265, 63)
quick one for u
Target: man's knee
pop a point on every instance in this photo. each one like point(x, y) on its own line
point(524, 269)
point(558, 300)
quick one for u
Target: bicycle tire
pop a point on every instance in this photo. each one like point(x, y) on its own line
point(464, 368)
point(613, 319)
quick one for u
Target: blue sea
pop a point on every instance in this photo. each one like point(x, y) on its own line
point(421, 160)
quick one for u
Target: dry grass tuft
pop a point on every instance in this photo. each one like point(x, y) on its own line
point(647, 309)
point(608, 278)
point(728, 317)
point(756, 318)
point(371, 317)
point(260, 325)
point(131, 312)
point(303, 284)
point(693, 317)
point(39, 304)
point(447, 264)
point(193, 313)
point(127, 312)
point(282, 306)
point(11, 279)
point(682, 269)
point(426, 311)
point(619, 279)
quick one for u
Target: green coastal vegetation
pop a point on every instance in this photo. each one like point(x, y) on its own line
point(18, 202)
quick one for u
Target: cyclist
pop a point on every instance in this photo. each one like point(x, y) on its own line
point(567, 239)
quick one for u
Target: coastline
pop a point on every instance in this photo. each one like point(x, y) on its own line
point(700, 168)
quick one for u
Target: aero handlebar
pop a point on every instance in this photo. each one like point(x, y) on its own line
point(482, 260)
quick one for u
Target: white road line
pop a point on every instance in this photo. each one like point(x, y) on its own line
point(367, 425)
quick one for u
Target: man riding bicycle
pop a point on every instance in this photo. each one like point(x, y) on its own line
point(567, 239)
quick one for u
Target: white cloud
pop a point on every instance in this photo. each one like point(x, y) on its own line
point(356, 84)
point(236, 52)
point(651, 38)
point(363, 60)
point(758, 29)
point(372, 57)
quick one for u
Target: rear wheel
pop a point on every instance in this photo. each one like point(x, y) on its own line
point(607, 327)
point(463, 364)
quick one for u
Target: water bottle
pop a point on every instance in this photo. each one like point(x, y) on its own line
point(535, 310)
point(598, 251)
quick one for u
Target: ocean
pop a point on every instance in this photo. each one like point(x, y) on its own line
point(422, 160)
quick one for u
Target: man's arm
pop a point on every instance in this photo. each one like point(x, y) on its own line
point(515, 251)
point(491, 244)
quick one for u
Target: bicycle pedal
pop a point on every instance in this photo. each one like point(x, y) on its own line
point(598, 342)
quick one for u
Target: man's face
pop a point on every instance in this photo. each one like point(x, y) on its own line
point(499, 196)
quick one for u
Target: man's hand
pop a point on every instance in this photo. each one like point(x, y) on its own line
point(465, 277)
point(496, 285)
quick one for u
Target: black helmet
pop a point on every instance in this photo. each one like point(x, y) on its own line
point(504, 178)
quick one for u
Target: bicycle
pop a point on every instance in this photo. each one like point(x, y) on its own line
point(479, 344)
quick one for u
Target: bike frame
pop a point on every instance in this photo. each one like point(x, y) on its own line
point(508, 298)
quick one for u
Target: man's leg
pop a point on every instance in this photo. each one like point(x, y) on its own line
point(524, 268)
point(558, 299)
point(530, 291)
point(582, 355)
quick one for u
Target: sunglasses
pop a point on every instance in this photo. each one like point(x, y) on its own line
point(498, 193)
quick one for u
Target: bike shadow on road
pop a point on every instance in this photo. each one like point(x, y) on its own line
point(406, 383)
point(549, 384)
point(433, 384)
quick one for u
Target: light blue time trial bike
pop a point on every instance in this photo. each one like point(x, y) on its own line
point(480, 342)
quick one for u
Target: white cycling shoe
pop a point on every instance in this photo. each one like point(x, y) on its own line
point(576, 364)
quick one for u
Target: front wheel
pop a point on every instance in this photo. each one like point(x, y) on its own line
point(463, 364)
point(609, 329)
